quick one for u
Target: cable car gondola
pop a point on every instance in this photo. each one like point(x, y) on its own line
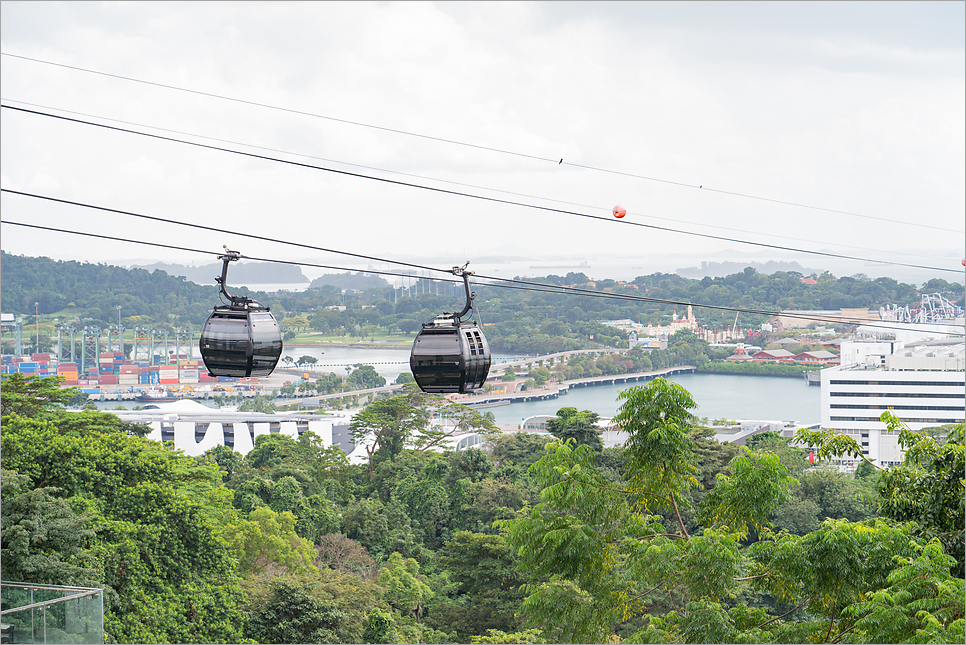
point(242, 338)
point(450, 355)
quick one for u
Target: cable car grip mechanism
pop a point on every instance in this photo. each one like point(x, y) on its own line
point(461, 271)
point(236, 301)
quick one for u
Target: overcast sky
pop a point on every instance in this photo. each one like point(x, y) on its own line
point(820, 126)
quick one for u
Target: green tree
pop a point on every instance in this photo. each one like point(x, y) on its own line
point(427, 504)
point(380, 528)
point(922, 602)
point(30, 396)
point(227, 459)
point(405, 590)
point(297, 322)
point(154, 514)
point(656, 418)
point(458, 419)
point(267, 537)
point(271, 450)
point(605, 558)
point(386, 425)
point(43, 540)
point(488, 590)
point(579, 426)
point(497, 636)
point(293, 615)
point(829, 569)
point(380, 628)
point(286, 495)
point(743, 500)
point(365, 377)
point(928, 487)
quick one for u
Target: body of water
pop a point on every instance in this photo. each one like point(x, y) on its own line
point(388, 362)
point(765, 398)
point(272, 288)
point(717, 395)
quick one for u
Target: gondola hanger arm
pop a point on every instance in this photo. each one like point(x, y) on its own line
point(230, 256)
point(461, 271)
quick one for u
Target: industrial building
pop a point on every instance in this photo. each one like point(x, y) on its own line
point(919, 375)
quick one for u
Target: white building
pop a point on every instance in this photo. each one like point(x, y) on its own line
point(922, 382)
point(195, 428)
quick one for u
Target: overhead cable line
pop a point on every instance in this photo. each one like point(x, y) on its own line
point(446, 181)
point(463, 194)
point(501, 283)
point(554, 161)
point(208, 228)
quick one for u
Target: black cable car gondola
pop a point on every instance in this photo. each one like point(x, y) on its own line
point(449, 355)
point(241, 338)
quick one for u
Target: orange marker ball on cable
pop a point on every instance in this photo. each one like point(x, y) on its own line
point(619, 212)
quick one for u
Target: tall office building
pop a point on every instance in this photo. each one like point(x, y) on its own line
point(919, 376)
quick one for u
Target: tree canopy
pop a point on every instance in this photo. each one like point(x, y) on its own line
point(672, 537)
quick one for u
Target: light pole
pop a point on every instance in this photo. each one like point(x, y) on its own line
point(37, 320)
point(120, 332)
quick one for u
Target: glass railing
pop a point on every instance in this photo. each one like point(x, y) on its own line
point(32, 613)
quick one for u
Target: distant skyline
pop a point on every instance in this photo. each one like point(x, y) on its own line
point(828, 126)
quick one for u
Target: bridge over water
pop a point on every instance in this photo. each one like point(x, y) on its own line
point(552, 391)
point(543, 392)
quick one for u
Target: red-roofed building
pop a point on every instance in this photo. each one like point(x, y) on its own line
point(821, 356)
point(809, 281)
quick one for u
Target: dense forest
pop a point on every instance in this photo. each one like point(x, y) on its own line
point(673, 537)
point(516, 320)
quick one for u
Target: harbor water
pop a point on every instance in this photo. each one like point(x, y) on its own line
point(763, 398)
point(717, 395)
point(388, 362)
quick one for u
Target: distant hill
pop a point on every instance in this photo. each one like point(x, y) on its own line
point(240, 272)
point(360, 281)
point(723, 269)
point(99, 288)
